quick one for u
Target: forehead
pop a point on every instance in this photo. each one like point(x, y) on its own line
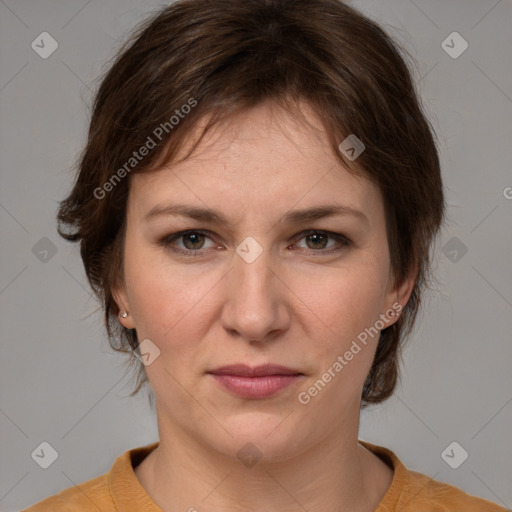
point(257, 161)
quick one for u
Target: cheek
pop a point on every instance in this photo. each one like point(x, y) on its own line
point(343, 303)
point(162, 299)
point(344, 308)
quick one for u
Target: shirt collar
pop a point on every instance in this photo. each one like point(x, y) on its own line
point(129, 495)
point(124, 486)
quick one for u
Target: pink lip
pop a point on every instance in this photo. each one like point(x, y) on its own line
point(255, 382)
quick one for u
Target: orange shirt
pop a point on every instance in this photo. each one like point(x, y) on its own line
point(119, 490)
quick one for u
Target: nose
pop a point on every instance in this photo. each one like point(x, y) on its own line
point(257, 302)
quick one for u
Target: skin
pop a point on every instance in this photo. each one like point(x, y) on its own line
point(296, 305)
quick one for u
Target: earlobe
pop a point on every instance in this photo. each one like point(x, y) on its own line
point(404, 290)
point(400, 295)
point(396, 308)
point(121, 301)
point(393, 312)
point(126, 320)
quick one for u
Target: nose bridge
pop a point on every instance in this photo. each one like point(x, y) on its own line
point(253, 305)
point(254, 272)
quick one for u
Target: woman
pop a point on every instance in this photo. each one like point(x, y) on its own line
point(255, 206)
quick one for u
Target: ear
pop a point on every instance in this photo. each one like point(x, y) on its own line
point(121, 299)
point(398, 296)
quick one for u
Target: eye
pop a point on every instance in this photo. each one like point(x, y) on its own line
point(193, 242)
point(317, 241)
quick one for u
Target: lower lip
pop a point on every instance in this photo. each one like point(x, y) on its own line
point(256, 387)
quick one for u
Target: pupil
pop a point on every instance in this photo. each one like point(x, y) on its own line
point(196, 237)
point(315, 238)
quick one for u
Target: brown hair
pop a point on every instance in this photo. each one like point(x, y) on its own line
point(223, 57)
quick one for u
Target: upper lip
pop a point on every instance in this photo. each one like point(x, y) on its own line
point(244, 370)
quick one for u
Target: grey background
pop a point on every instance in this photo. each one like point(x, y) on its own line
point(61, 383)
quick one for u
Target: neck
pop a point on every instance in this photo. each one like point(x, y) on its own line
point(336, 473)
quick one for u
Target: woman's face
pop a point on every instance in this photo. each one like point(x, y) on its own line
point(264, 286)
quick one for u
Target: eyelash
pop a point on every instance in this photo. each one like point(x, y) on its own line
point(167, 242)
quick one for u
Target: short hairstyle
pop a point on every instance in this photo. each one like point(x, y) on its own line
point(195, 60)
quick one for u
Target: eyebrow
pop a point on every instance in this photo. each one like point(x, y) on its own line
point(291, 217)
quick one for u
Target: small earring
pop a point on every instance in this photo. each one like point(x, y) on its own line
point(124, 315)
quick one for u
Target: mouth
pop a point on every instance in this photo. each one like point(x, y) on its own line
point(255, 382)
point(243, 370)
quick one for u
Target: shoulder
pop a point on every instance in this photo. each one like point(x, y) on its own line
point(89, 496)
point(119, 489)
point(424, 493)
point(411, 491)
